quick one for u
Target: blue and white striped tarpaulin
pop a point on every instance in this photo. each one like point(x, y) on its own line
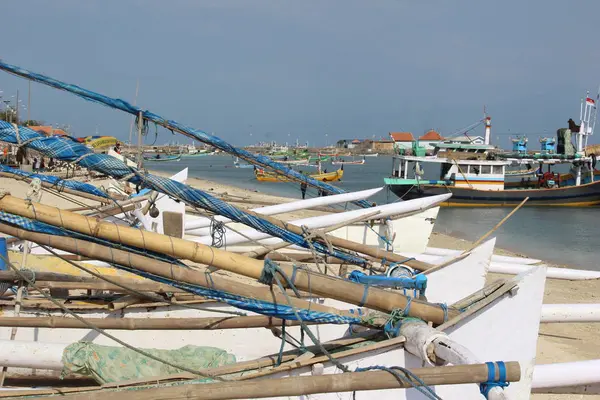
point(71, 151)
point(56, 182)
point(199, 135)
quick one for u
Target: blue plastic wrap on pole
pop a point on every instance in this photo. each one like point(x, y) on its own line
point(3, 254)
point(174, 125)
point(71, 151)
point(57, 182)
point(4, 286)
point(418, 282)
point(42, 227)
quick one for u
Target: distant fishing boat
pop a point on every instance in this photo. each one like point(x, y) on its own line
point(476, 175)
point(198, 154)
point(295, 162)
point(353, 162)
point(369, 155)
point(237, 164)
point(163, 157)
point(264, 176)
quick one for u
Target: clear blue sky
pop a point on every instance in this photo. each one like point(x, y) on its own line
point(306, 68)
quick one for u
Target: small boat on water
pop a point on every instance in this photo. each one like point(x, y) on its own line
point(163, 157)
point(237, 164)
point(264, 176)
point(476, 176)
point(198, 154)
point(369, 155)
point(344, 162)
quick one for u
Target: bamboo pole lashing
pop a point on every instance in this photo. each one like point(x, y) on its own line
point(319, 284)
point(307, 385)
point(267, 249)
point(241, 366)
point(206, 323)
point(160, 268)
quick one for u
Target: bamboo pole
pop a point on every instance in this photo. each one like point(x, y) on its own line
point(462, 173)
point(477, 243)
point(61, 189)
point(13, 331)
point(371, 251)
point(319, 284)
point(498, 225)
point(102, 285)
point(209, 323)
point(307, 385)
point(119, 206)
point(164, 269)
point(256, 364)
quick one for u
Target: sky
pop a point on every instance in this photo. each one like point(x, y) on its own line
point(313, 70)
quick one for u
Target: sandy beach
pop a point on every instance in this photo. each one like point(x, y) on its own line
point(557, 342)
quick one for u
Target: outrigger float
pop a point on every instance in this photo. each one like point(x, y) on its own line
point(476, 175)
point(169, 317)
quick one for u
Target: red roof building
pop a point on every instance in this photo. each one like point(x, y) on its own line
point(432, 136)
point(402, 137)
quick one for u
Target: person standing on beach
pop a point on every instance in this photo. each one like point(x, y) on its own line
point(303, 187)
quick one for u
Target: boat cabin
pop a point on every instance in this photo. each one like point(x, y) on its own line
point(475, 174)
point(462, 151)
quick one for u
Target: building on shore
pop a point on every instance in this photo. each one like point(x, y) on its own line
point(430, 139)
point(402, 140)
point(465, 139)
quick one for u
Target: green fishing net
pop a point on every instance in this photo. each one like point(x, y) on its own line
point(114, 364)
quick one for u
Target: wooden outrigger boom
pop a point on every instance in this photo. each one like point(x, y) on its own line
point(318, 284)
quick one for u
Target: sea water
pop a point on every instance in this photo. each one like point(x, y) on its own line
point(558, 235)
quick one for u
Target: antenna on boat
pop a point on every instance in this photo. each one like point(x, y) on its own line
point(588, 113)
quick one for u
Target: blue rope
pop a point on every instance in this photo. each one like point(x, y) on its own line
point(364, 296)
point(444, 308)
point(58, 183)
point(69, 150)
point(404, 375)
point(492, 382)
point(172, 125)
point(270, 274)
point(397, 316)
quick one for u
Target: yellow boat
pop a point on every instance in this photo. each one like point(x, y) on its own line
point(264, 176)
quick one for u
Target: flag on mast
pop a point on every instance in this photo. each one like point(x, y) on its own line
point(590, 101)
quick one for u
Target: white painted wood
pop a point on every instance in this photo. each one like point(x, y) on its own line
point(571, 313)
point(201, 222)
point(549, 376)
point(552, 272)
point(515, 269)
point(31, 354)
point(165, 203)
point(506, 331)
point(386, 210)
point(455, 282)
point(411, 233)
point(436, 251)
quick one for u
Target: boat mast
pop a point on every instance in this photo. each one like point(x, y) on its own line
point(488, 129)
point(586, 128)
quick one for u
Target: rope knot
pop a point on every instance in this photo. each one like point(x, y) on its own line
point(268, 273)
point(396, 318)
point(492, 382)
